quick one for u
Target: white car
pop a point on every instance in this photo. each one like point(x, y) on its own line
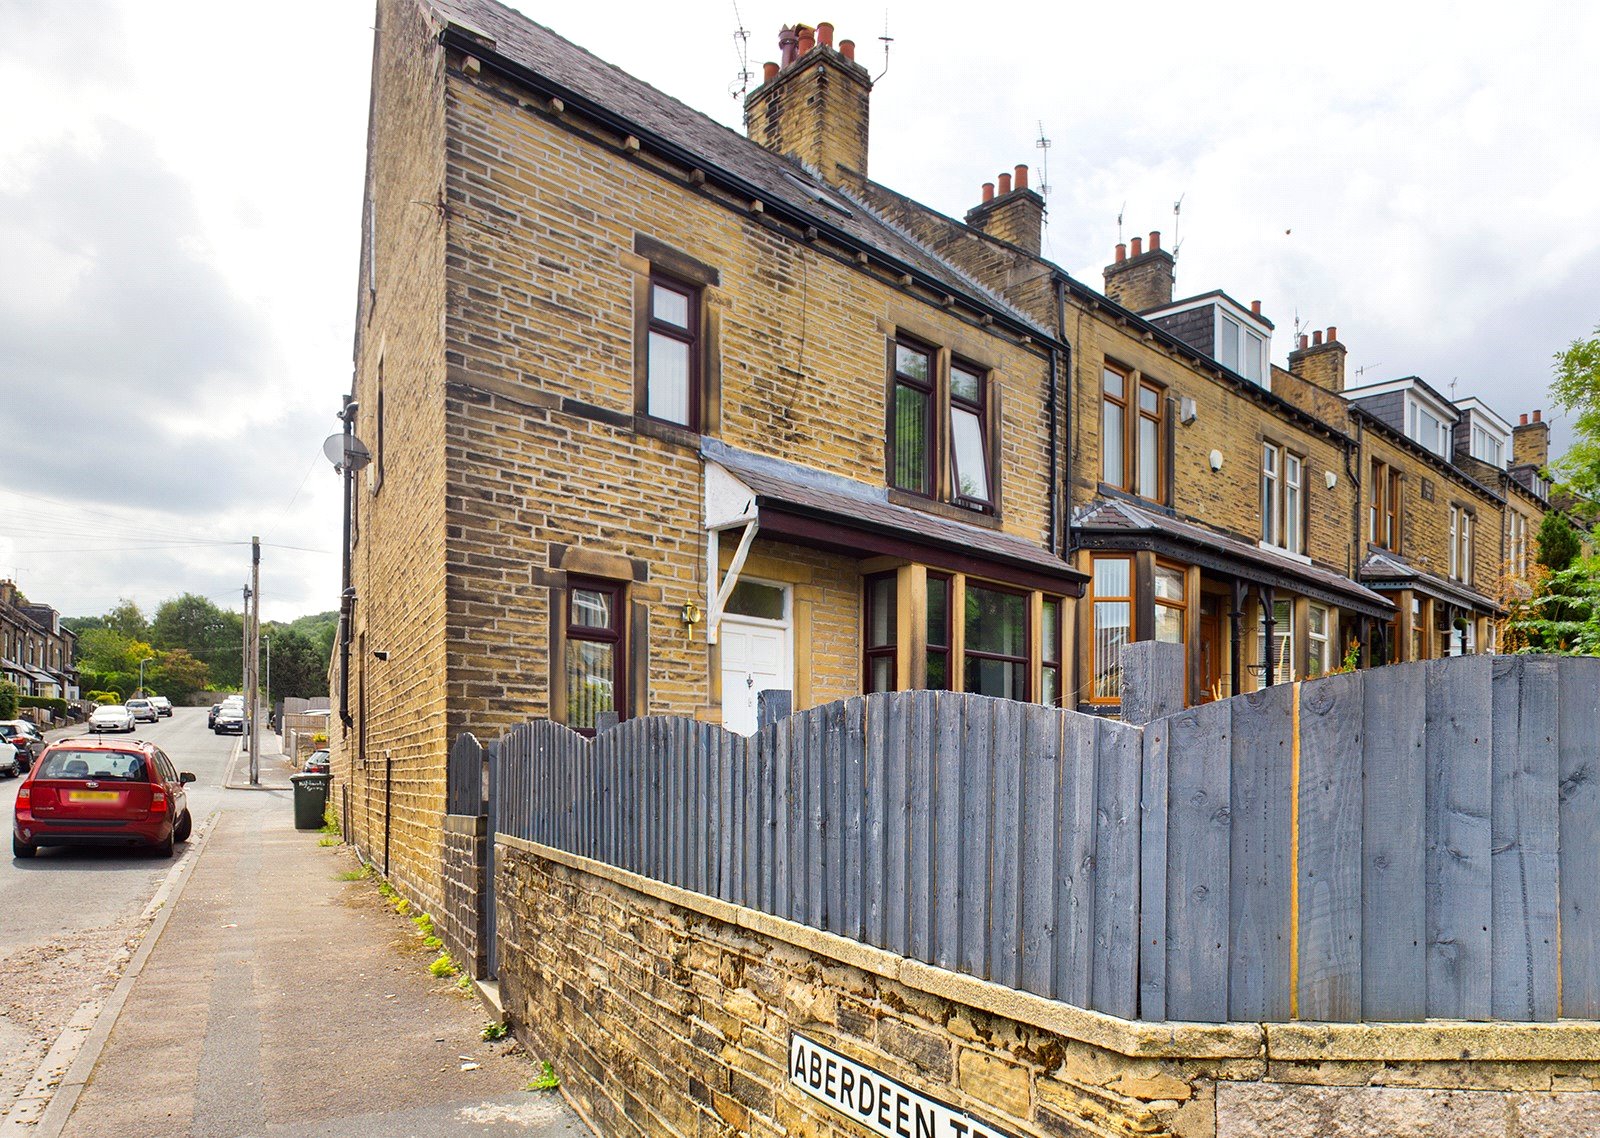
point(143, 710)
point(112, 717)
point(162, 704)
point(9, 764)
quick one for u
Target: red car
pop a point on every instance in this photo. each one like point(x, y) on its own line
point(93, 792)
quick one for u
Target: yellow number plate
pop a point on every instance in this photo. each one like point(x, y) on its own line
point(91, 796)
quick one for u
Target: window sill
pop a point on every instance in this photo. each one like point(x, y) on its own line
point(667, 432)
point(943, 509)
point(1282, 552)
point(1106, 490)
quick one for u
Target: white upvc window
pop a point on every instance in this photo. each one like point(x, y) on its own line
point(1488, 446)
point(1282, 498)
point(1282, 642)
point(1270, 525)
point(1460, 544)
point(1427, 428)
point(1241, 350)
point(1317, 641)
point(1518, 562)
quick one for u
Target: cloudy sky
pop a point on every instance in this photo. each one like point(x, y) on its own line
point(180, 189)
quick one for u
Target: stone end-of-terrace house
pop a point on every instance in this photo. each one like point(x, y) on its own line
point(662, 415)
point(37, 653)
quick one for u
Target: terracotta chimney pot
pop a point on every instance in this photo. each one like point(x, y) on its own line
point(1022, 177)
point(1523, 422)
point(988, 191)
point(1155, 241)
point(808, 40)
point(1005, 184)
point(1122, 252)
point(1538, 415)
point(1136, 247)
point(1333, 333)
point(825, 34)
point(1255, 307)
point(1305, 342)
point(1316, 338)
point(787, 42)
point(847, 48)
point(769, 71)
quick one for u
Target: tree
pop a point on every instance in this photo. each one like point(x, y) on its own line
point(1558, 542)
point(128, 619)
point(298, 666)
point(210, 634)
point(8, 700)
point(1576, 390)
point(1563, 617)
point(176, 674)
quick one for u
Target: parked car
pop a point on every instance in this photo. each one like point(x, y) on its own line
point(92, 792)
point(318, 762)
point(162, 704)
point(143, 710)
point(10, 765)
point(211, 716)
point(230, 720)
point(112, 717)
point(25, 737)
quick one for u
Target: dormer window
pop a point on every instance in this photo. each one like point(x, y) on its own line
point(1424, 425)
point(1488, 447)
point(1241, 350)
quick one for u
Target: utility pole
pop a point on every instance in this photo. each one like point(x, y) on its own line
point(253, 699)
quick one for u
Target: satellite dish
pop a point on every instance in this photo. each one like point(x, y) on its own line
point(343, 449)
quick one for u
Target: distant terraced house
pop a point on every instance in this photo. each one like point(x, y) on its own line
point(37, 653)
point(663, 415)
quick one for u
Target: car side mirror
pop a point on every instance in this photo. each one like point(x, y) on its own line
point(186, 776)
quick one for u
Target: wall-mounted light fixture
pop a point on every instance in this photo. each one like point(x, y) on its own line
point(1216, 461)
point(690, 615)
point(1187, 411)
point(1331, 479)
point(380, 654)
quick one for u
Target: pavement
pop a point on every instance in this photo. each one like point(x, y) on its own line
point(270, 997)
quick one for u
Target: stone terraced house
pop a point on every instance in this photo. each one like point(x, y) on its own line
point(663, 415)
point(37, 653)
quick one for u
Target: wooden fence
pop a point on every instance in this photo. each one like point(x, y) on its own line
point(1415, 841)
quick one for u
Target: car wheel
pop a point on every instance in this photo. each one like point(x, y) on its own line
point(163, 848)
point(185, 826)
point(20, 848)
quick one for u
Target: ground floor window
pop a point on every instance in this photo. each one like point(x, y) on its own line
point(938, 623)
point(1318, 647)
point(1172, 604)
point(1113, 625)
point(996, 658)
point(1282, 651)
point(1416, 629)
point(1050, 653)
point(880, 639)
point(595, 675)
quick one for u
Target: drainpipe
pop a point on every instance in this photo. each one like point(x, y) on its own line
point(388, 787)
point(1354, 559)
point(1061, 505)
point(347, 594)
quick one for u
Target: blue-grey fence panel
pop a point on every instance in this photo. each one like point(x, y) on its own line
point(1040, 771)
point(1330, 848)
point(946, 843)
point(1115, 959)
point(1459, 877)
point(975, 853)
point(1077, 767)
point(1393, 853)
point(1154, 818)
point(1199, 850)
point(464, 776)
point(917, 875)
point(1580, 837)
point(878, 741)
point(1009, 823)
point(851, 816)
point(1524, 821)
point(1259, 928)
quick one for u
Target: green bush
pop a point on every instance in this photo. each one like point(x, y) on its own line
point(102, 697)
point(59, 706)
point(8, 700)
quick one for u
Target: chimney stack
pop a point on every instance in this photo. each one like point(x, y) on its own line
point(1014, 214)
point(1319, 361)
point(1530, 441)
point(1142, 279)
point(813, 106)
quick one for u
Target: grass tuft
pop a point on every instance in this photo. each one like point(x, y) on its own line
point(493, 1030)
point(548, 1080)
point(443, 966)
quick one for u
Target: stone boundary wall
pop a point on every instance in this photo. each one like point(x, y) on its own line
point(668, 1013)
point(464, 852)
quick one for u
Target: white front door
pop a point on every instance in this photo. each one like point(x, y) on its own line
point(757, 654)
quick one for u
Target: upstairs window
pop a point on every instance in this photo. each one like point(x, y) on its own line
point(1423, 426)
point(1461, 548)
point(672, 376)
point(941, 429)
point(1383, 513)
point(969, 450)
point(1518, 560)
point(1132, 428)
point(1282, 498)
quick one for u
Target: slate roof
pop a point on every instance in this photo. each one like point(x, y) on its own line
point(1108, 518)
point(856, 505)
point(520, 41)
point(1391, 567)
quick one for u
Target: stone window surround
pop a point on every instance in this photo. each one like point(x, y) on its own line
point(630, 575)
point(653, 259)
point(1137, 381)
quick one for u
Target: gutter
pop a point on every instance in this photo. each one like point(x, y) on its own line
point(489, 56)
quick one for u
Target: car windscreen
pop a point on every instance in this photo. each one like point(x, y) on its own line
point(117, 766)
point(115, 712)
